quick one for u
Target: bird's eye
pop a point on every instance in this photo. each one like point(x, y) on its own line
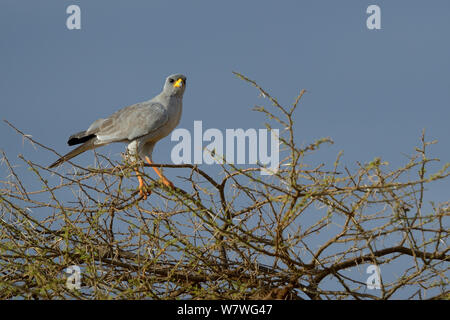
point(171, 80)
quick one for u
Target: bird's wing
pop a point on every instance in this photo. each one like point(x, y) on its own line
point(130, 123)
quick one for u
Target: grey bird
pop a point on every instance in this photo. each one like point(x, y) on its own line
point(140, 125)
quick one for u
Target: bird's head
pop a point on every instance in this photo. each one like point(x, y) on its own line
point(175, 85)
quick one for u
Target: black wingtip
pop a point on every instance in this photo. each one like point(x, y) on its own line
point(77, 140)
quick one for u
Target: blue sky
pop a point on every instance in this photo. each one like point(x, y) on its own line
point(371, 91)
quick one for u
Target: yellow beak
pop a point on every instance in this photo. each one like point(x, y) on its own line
point(178, 83)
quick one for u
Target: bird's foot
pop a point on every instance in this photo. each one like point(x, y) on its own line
point(167, 183)
point(144, 193)
point(163, 179)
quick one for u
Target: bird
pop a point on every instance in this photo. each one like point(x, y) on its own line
point(140, 125)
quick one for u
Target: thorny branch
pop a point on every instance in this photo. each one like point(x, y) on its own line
point(236, 236)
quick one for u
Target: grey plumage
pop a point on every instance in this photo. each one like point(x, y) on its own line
point(140, 125)
point(84, 147)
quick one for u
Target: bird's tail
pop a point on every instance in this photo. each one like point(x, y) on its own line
point(84, 147)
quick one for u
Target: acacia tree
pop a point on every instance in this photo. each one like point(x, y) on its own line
point(293, 235)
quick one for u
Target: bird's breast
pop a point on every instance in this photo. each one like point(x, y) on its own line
point(174, 115)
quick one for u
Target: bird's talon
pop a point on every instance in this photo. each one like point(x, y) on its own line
point(144, 193)
point(167, 183)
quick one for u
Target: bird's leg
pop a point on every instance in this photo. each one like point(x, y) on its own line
point(142, 192)
point(158, 172)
